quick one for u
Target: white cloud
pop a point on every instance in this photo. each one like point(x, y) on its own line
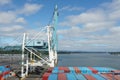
point(71, 8)
point(7, 17)
point(115, 30)
point(92, 30)
point(20, 20)
point(30, 9)
point(97, 26)
point(113, 9)
point(13, 21)
point(115, 15)
point(78, 39)
point(3, 2)
point(10, 18)
point(11, 28)
point(85, 17)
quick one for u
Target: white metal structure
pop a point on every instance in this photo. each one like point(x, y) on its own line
point(33, 57)
point(52, 48)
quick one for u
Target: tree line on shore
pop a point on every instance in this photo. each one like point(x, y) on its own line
point(115, 53)
point(10, 51)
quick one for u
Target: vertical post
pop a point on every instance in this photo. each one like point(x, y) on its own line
point(27, 65)
point(52, 39)
point(26, 37)
point(56, 59)
point(34, 57)
point(23, 50)
point(49, 47)
point(30, 56)
point(55, 21)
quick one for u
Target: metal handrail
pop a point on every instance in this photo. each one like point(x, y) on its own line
point(37, 55)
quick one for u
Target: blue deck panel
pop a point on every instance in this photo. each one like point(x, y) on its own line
point(103, 69)
point(72, 69)
point(53, 77)
point(112, 68)
point(99, 69)
point(71, 76)
point(80, 77)
point(98, 77)
point(3, 69)
point(55, 70)
point(107, 69)
point(85, 70)
point(6, 76)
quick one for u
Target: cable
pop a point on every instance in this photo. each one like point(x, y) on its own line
point(36, 35)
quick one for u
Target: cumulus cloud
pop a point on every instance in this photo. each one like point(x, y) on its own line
point(7, 17)
point(12, 22)
point(85, 17)
point(10, 18)
point(113, 8)
point(3, 2)
point(30, 9)
point(71, 8)
point(93, 30)
point(13, 19)
point(11, 28)
point(20, 20)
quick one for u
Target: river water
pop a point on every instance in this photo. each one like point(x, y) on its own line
point(89, 59)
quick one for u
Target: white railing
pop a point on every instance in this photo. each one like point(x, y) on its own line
point(37, 56)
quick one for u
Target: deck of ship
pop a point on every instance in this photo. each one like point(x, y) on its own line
point(81, 73)
point(68, 73)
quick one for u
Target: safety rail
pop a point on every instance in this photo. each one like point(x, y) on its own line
point(37, 56)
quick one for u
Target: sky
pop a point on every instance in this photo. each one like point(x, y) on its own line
point(83, 25)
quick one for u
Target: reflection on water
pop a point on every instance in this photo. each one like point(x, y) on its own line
point(89, 59)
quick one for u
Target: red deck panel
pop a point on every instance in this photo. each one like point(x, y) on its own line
point(117, 77)
point(116, 71)
point(89, 77)
point(45, 76)
point(50, 70)
point(107, 75)
point(110, 76)
point(117, 74)
point(65, 69)
point(3, 74)
point(77, 70)
point(62, 76)
point(93, 70)
point(1, 78)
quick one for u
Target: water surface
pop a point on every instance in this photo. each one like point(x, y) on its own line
point(89, 59)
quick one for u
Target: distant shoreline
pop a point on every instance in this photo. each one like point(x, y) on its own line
point(114, 53)
point(76, 52)
point(59, 52)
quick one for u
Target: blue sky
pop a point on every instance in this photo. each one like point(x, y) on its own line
point(84, 25)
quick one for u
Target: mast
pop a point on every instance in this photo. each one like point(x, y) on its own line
point(23, 50)
point(24, 64)
point(52, 39)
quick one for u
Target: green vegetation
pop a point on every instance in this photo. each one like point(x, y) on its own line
point(10, 51)
point(17, 50)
